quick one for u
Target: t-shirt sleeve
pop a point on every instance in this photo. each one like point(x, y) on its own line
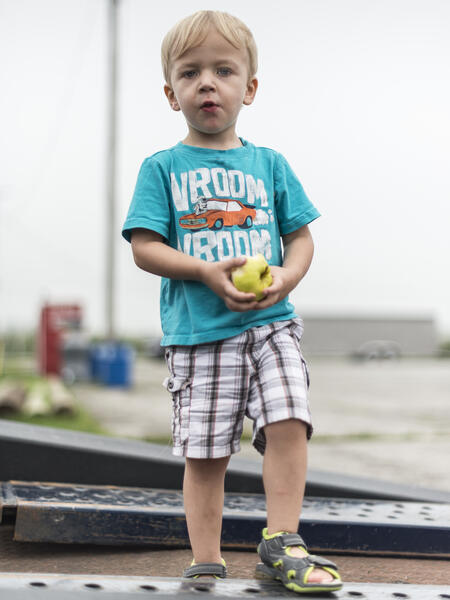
point(294, 209)
point(149, 208)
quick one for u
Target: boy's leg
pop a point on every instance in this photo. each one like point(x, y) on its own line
point(284, 474)
point(203, 491)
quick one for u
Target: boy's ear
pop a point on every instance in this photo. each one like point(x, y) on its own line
point(250, 92)
point(171, 97)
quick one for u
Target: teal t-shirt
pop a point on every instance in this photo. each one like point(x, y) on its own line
point(214, 205)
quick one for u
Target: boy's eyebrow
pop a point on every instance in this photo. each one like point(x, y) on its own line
point(187, 65)
point(194, 65)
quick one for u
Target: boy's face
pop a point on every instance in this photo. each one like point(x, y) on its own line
point(209, 84)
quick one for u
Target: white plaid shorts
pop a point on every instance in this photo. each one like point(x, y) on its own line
point(260, 373)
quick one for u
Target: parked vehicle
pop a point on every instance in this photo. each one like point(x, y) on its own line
point(378, 350)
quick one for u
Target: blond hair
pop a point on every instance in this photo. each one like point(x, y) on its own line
point(192, 30)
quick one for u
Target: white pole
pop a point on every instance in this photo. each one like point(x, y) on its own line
point(110, 220)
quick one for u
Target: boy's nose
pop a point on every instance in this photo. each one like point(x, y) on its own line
point(206, 87)
point(206, 83)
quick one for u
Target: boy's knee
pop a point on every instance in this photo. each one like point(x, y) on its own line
point(205, 468)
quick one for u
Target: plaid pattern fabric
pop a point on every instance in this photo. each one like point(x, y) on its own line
point(259, 373)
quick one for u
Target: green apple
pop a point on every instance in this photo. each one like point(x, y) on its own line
point(253, 276)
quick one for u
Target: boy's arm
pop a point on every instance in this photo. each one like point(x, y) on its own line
point(153, 255)
point(298, 253)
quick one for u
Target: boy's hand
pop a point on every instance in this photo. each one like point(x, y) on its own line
point(217, 276)
point(282, 283)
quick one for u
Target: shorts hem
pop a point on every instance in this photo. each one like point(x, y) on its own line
point(259, 441)
point(210, 452)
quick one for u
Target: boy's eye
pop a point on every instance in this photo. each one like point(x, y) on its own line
point(189, 74)
point(224, 71)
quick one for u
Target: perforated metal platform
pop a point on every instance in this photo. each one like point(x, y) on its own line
point(68, 587)
point(113, 515)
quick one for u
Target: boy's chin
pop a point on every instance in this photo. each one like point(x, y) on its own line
point(219, 132)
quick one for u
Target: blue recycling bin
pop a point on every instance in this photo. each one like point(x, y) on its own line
point(111, 364)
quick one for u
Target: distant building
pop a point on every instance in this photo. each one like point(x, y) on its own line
point(370, 336)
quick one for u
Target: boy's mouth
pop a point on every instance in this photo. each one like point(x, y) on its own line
point(209, 106)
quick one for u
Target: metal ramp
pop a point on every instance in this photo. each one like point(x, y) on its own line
point(64, 513)
point(29, 586)
point(37, 453)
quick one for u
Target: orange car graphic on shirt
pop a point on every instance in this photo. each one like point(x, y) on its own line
point(215, 213)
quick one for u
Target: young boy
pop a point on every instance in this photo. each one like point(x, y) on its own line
point(198, 209)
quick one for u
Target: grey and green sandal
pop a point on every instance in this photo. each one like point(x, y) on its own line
point(212, 569)
point(293, 572)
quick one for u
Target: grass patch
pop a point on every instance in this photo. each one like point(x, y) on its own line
point(16, 372)
point(80, 420)
point(17, 375)
point(162, 440)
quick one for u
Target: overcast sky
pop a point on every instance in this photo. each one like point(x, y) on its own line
point(355, 93)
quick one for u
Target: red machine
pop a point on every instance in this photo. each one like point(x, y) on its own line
point(55, 322)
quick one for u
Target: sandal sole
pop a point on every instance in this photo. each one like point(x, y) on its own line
point(263, 571)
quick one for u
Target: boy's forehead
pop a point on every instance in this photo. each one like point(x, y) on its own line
point(213, 46)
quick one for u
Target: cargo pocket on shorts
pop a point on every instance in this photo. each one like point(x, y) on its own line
point(179, 387)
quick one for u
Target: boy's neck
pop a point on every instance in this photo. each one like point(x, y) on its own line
point(222, 141)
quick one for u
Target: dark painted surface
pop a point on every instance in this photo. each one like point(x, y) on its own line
point(111, 515)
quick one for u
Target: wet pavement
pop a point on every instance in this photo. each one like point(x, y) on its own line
point(386, 420)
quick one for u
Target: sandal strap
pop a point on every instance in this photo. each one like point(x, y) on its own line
point(321, 562)
point(206, 569)
point(273, 550)
point(284, 540)
point(292, 539)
